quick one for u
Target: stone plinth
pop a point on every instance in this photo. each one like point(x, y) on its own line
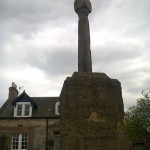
point(92, 113)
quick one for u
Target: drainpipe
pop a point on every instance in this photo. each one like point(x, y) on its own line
point(46, 147)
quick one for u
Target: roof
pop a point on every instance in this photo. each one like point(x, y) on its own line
point(45, 106)
point(24, 98)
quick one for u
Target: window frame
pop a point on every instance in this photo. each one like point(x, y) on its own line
point(23, 109)
point(57, 108)
point(56, 141)
point(17, 139)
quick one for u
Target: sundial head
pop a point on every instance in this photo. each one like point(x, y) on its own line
point(82, 6)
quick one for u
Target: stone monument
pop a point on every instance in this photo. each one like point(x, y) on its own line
point(92, 115)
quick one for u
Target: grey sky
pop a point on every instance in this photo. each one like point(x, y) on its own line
point(38, 44)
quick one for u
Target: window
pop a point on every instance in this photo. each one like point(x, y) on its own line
point(57, 142)
point(23, 109)
point(19, 110)
point(57, 108)
point(27, 110)
point(19, 142)
point(138, 146)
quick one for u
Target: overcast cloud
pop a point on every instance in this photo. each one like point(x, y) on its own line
point(38, 44)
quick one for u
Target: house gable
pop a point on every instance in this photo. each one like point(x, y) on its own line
point(24, 98)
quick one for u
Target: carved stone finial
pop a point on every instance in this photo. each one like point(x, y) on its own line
point(82, 5)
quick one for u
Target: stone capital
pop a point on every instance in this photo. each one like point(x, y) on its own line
point(82, 6)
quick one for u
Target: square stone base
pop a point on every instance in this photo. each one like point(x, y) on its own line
point(92, 113)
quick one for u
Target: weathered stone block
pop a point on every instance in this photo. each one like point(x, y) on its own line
point(92, 113)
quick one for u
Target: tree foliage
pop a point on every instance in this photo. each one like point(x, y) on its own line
point(137, 118)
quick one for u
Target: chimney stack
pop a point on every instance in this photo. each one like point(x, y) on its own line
point(13, 92)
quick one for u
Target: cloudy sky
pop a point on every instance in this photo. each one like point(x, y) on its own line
point(38, 44)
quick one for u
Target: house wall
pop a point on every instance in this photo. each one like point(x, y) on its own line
point(39, 131)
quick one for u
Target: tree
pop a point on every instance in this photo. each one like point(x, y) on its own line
point(137, 118)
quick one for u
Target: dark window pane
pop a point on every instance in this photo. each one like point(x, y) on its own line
point(19, 110)
point(27, 109)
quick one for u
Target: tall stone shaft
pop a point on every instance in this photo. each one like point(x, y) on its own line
point(83, 8)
